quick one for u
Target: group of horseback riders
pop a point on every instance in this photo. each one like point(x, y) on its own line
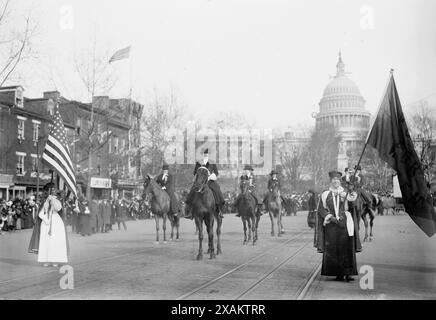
point(166, 182)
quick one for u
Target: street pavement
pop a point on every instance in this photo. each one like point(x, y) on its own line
point(130, 265)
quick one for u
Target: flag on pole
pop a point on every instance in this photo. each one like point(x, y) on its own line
point(390, 136)
point(120, 55)
point(57, 154)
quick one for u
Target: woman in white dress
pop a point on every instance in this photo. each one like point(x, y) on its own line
point(52, 241)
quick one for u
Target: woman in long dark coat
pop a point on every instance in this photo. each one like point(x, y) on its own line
point(335, 230)
point(84, 217)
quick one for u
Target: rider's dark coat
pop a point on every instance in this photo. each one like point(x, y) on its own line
point(169, 183)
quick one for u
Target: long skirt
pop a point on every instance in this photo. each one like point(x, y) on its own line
point(339, 257)
point(85, 224)
point(53, 247)
point(34, 239)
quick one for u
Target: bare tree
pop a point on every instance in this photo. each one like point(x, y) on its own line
point(422, 123)
point(322, 154)
point(15, 41)
point(292, 161)
point(163, 113)
point(97, 76)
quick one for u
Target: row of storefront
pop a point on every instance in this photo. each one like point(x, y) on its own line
point(12, 187)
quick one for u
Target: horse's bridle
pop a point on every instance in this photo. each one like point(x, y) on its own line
point(203, 184)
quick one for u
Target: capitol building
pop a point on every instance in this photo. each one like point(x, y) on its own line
point(343, 106)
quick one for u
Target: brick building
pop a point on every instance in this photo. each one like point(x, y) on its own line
point(110, 141)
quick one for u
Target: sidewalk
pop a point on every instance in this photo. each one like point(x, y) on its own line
point(403, 259)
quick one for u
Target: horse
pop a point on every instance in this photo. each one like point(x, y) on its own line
point(274, 208)
point(160, 204)
point(204, 210)
point(366, 211)
point(246, 207)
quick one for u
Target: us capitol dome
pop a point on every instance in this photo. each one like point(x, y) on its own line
point(343, 106)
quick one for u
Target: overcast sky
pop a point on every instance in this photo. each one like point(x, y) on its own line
point(267, 59)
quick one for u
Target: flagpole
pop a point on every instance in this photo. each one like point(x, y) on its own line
point(391, 74)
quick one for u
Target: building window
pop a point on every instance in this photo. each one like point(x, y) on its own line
point(21, 128)
point(116, 145)
point(20, 163)
point(35, 132)
point(34, 162)
point(123, 144)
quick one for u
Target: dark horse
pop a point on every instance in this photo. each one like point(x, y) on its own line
point(247, 210)
point(274, 208)
point(160, 206)
point(366, 211)
point(203, 210)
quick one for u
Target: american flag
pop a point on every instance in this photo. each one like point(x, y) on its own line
point(57, 154)
point(121, 54)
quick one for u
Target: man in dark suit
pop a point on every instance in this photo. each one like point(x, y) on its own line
point(167, 182)
point(212, 184)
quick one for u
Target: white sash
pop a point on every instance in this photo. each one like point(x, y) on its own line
point(350, 224)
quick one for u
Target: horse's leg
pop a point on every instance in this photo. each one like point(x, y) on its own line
point(218, 235)
point(253, 227)
point(279, 224)
point(210, 235)
point(172, 229)
point(245, 229)
point(365, 223)
point(271, 216)
point(164, 227)
point(249, 228)
point(371, 224)
point(199, 224)
point(177, 228)
point(156, 219)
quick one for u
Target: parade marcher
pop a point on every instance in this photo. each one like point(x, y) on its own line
point(34, 240)
point(93, 215)
point(273, 179)
point(212, 184)
point(312, 204)
point(84, 217)
point(168, 183)
point(351, 202)
point(53, 238)
point(335, 232)
point(248, 175)
point(106, 206)
point(121, 213)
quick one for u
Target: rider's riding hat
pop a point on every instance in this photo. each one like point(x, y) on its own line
point(165, 167)
point(335, 174)
point(273, 172)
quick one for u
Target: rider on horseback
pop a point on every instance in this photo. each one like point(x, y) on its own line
point(273, 179)
point(248, 175)
point(213, 185)
point(167, 182)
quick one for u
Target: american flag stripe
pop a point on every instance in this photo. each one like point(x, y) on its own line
point(53, 153)
point(60, 170)
point(55, 144)
point(56, 152)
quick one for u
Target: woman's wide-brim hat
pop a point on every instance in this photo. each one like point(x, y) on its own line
point(273, 172)
point(335, 174)
point(165, 167)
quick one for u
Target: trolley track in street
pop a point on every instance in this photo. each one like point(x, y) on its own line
point(264, 277)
